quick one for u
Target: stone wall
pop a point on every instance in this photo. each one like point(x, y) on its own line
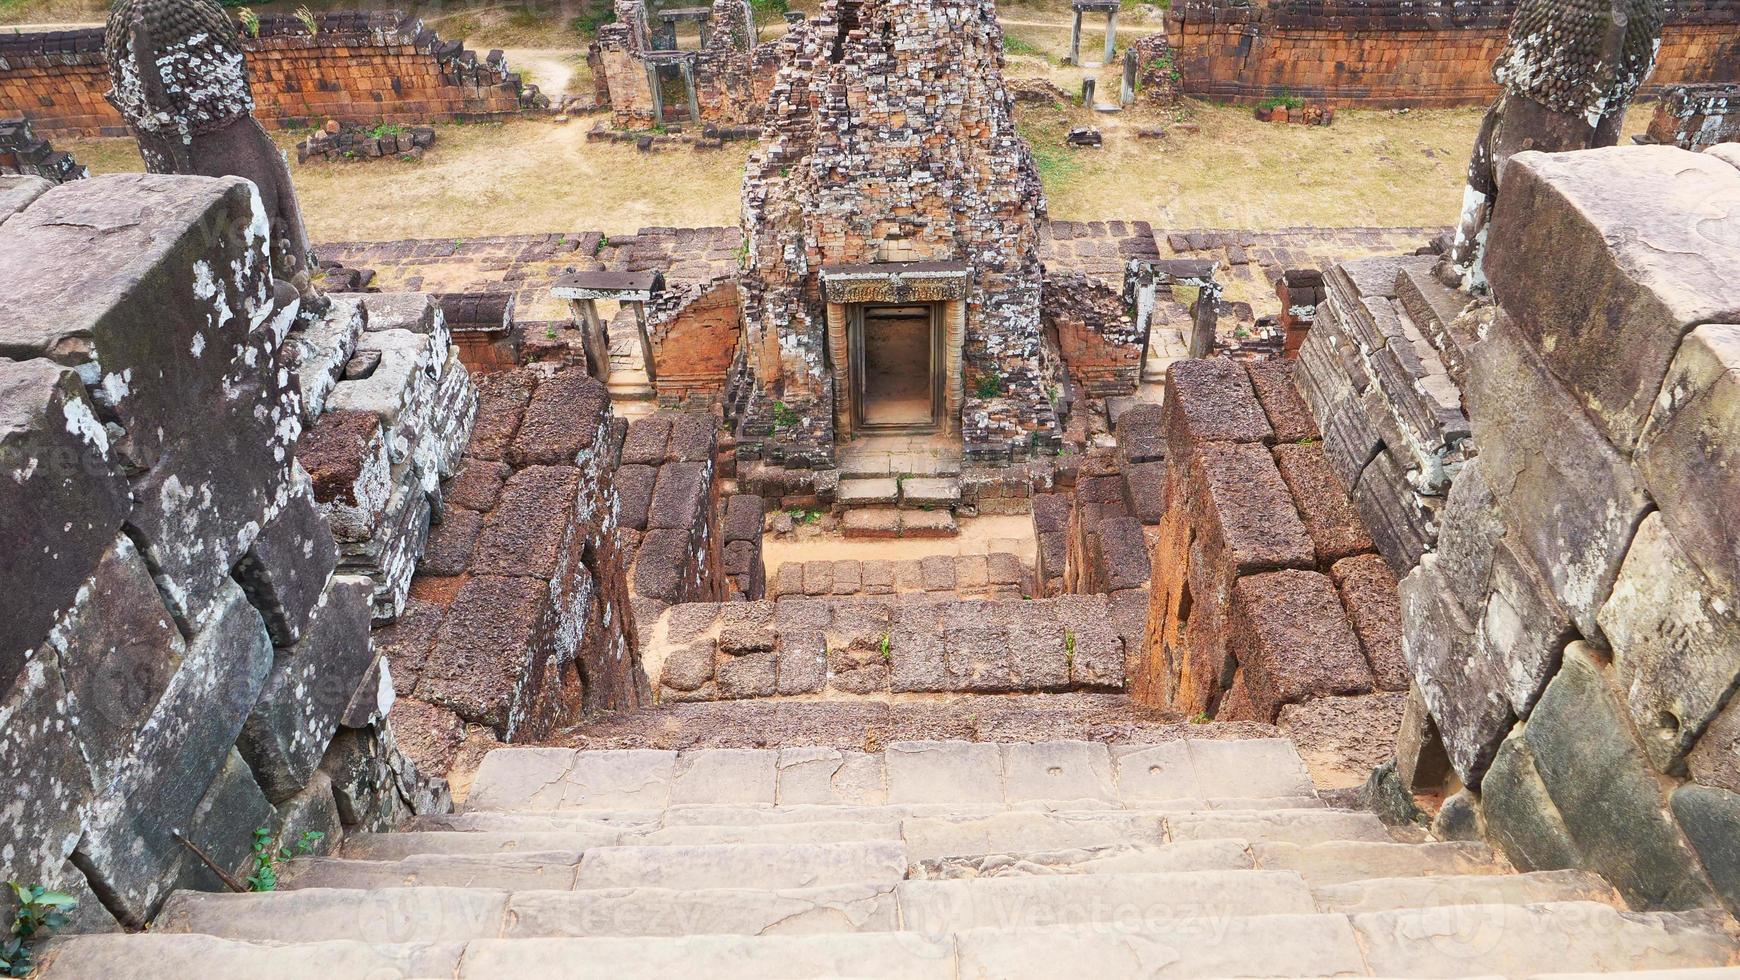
point(695, 330)
point(185, 655)
point(1398, 52)
point(519, 619)
point(1268, 595)
point(1573, 635)
point(1692, 117)
point(670, 512)
point(359, 67)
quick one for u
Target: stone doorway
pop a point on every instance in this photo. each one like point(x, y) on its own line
point(896, 350)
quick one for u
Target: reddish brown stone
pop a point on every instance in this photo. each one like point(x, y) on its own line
point(694, 438)
point(1335, 527)
point(743, 518)
point(430, 735)
point(1276, 392)
point(1374, 608)
point(563, 418)
point(1211, 400)
point(501, 403)
point(634, 490)
point(334, 452)
point(1291, 638)
point(1243, 513)
point(659, 566)
point(679, 496)
point(407, 640)
point(498, 634)
point(647, 441)
point(477, 485)
point(525, 533)
point(451, 543)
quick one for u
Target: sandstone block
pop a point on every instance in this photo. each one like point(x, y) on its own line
point(61, 501)
point(1710, 818)
point(562, 420)
point(1606, 259)
point(1291, 638)
point(284, 572)
point(1374, 609)
point(1689, 454)
point(1211, 400)
point(311, 685)
point(1716, 759)
point(496, 638)
point(528, 532)
point(1335, 527)
point(1277, 391)
point(1246, 519)
point(1465, 692)
point(1546, 461)
point(1618, 823)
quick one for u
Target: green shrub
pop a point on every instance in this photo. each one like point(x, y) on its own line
point(39, 911)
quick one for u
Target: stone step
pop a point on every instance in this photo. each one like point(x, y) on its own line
point(1386, 894)
point(393, 847)
point(1327, 864)
point(639, 781)
point(930, 838)
point(511, 871)
point(935, 492)
point(398, 846)
point(744, 865)
point(1477, 941)
point(1148, 899)
point(1271, 826)
point(881, 523)
point(1335, 862)
point(867, 492)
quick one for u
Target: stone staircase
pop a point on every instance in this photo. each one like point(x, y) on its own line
point(1194, 858)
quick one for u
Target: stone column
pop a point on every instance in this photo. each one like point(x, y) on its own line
point(688, 70)
point(1075, 41)
point(592, 337)
point(1128, 95)
point(658, 97)
point(954, 384)
point(1111, 35)
point(1203, 319)
point(646, 355)
point(1088, 85)
point(840, 355)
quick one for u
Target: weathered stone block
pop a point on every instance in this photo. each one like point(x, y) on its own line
point(311, 685)
point(1374, 610)
point(501, 404)
point(1675, 638)
point(1716, 759)
point(284, 573)
point(1246, 517)
point(1562, 489)
point(18, 192)
point(451, 544)
point(1211, 400)
point(648, 441)
point(563, 419)
point(1690, 452)
point(1520, 815)
point(1471, 532)
point(1606, 259)
point(495, 639)
point(223, 827)
point(693, 438)
point(49, 783)
point(661, 564)
point(130, 837)
point(345, 454)
point(477, 486)
point(1124, 553)
point(1335, 528)
point(1291, 638)
point(1278, 393)
point(1618, 821)
point(679, 496)
point(1521, 630)
point(1464, 691)
point(529, 529)
point(1711, 819)
point(117, 651)
point(743, 518)
point(61, 500)
point(1141, 432)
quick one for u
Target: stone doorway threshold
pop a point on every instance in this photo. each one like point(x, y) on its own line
point(990, 534)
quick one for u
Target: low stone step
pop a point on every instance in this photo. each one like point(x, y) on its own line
point(395, 847)
point(1151, 900)
point(157, 956)
point(1519, 940)
point(1266, 826)
point(930, 491)
point(816, 832)
point(902, 955)
point(1334, 862)
point(744, 865)
point(442, 915)
point(1385, 894)
point(538, 821)
point(930, 838)
point(887, 523)
point(522, 871)
point(1172, 775)
point(868, 492)
point(1208, 855)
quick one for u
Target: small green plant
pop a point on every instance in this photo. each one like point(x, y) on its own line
point(1016, 45)
point(382, 130)
point(603, 243)
point(802, 516)
point(40, 911)
point(784, 417)
point(1200, 718)
point(1286, 100)
point(775, 7)
point(550, 333)
point(268, 855)
point(988, 386)
point(887, 648)
point(309, 22)
point(595, 14)
point(249, 20)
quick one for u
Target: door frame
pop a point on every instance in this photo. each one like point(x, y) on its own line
point(860, 377)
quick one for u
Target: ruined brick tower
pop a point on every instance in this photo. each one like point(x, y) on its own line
point(892, 223)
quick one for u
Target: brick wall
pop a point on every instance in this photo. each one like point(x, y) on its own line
point(1391, 53)
point(358, 68)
